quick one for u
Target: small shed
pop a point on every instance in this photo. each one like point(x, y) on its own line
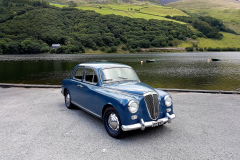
point(55, 46)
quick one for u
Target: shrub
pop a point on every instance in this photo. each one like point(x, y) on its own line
point(124, 47)
point(44, 49)
point(195, 45)
point(102, 49)
point(194, 37)
point(53, 51)
point(109, 50)
point(138, 49)
point(189, 49)
point(59, 50)
point(132, 50)
point(114, 49)
point(170, 43)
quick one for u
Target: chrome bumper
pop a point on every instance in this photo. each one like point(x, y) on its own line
point(142, 125)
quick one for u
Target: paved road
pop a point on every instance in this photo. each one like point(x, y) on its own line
point(34, 124)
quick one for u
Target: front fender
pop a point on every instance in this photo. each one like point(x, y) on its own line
point(119, 100)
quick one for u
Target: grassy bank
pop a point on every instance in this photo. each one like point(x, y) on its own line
point(229, 40)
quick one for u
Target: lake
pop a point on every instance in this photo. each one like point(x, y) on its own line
point(171, 70)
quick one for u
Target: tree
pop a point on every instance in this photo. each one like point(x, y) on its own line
point(25, 45)
point(34, 48)
point(144, 43)
point(13, 48)
point(113, 49)
point(72, 4)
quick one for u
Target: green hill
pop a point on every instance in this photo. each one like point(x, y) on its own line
point(226, 10)
point(33, 26)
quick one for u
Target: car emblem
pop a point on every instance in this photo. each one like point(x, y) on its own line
point(156, 114)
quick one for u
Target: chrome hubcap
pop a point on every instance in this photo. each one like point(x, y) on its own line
point(68, 99)
point(113, 122)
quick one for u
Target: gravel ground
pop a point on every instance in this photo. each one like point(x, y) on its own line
point(34, 124)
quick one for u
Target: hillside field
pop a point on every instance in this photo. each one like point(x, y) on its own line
point(158, 12)
point(133, 10)
point(226, 10)
point(229, 40)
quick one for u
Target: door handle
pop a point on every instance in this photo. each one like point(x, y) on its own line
point(80, 86)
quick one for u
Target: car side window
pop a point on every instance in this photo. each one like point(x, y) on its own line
point(79, 73)
point(90, 76)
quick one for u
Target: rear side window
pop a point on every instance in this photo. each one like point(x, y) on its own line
point(79, 73)
point(90, 76)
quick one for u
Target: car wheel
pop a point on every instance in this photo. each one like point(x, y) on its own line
point(68, 103)
point(112, 123)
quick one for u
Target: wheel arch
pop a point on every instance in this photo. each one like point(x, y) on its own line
point(64, 91)
point(105, 107)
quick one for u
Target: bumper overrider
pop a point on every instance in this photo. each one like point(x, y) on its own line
point(142, 125)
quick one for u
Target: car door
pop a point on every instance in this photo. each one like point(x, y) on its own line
point(89, 87)
point(83, 91)
point(76, 86)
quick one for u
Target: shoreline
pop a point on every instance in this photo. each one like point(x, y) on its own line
point(9, 85)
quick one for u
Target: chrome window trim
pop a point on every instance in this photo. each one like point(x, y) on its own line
point(87, 82)
point(76, 71)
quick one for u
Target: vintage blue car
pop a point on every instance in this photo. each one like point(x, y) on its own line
point(114, 93)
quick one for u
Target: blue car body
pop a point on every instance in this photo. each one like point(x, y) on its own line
point(96, 97)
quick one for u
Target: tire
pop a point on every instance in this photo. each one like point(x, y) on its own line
point(112, 123)
point(68, 103)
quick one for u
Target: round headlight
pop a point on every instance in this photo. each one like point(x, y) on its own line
point(168, 100)
point(133, 106)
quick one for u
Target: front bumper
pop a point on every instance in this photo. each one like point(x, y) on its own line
point(142, 125)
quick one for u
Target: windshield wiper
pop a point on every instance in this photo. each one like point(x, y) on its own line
point(122, 78)
point(107, 79)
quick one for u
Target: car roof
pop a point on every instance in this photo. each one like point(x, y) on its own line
point(101, 65)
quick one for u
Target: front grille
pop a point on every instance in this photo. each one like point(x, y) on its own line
point(152, 104)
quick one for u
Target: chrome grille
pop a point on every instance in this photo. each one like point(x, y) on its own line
point(152, 104)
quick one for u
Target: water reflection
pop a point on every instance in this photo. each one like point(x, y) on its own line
point(171, 70)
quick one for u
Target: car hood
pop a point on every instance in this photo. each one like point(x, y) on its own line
point(131, 87)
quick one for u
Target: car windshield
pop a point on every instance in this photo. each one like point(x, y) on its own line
point(118, 74)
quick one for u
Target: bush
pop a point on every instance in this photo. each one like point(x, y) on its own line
point(194, 37)
point(210, 49)
point(60, 50)
point(132, 50)
point(189, 49)
point(138, 49)
point(217, 49)
point(114, 49)
point(44, 49)
point(53, 51)
point(109, 50)
point(144, 43)
point(124, 47)
point(102, 49)
point(195, 45)
point(170, 43)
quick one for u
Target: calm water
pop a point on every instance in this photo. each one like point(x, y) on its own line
point(172, 70)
